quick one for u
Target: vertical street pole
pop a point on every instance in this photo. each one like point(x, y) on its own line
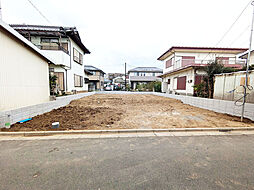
point(247, 64)
point(125, 76)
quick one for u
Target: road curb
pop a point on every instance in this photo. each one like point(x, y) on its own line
point(77, 132)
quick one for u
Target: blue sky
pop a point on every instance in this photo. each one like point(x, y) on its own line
point(138, 31)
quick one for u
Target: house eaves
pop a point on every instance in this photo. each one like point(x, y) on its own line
point(57, 31)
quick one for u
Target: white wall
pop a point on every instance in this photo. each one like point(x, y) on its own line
point(77, 69)
point(24, 77)
point(172, 86)
point(61, 58)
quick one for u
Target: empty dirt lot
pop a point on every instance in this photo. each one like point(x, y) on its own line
point(118, 111)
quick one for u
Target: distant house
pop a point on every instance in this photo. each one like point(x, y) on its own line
point(24, 73)
point(64, 46)
point(183, 66)
point(143, 75)
point(96, 78)
point(111, 76)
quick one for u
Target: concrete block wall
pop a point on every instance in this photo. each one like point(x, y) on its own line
point(220, 106)
point(19, 114)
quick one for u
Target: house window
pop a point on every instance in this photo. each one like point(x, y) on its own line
point(60, 80)
point(65, 46)
point(169, 63)
point(77, 56)
point(181, 83)
point(187, 60)
point(168, 81)
point(50, 43)
point(93, 72)
point(78, 81)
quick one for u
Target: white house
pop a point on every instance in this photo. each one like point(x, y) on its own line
point(64, 46)
point(183, 66)
point(24, 73)
point(143, 75)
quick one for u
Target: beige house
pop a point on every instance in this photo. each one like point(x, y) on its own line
point(183, 66)
point(96, 78)
point(24, 73)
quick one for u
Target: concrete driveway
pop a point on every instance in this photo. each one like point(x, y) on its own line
point(205, 162)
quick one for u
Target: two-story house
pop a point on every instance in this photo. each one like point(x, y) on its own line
point(143, 75)
point(183, 66)
point(64, 46)
point(96, 78)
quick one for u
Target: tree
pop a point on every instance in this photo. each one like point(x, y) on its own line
point(52, 83)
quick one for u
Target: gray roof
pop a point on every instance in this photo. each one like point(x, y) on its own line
point(41, 30)
point(92, 68)
point(146, 69)
point(19, 37)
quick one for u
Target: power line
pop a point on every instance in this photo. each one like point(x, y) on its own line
point(240, 35)
point(38, 11)
point(224, 35)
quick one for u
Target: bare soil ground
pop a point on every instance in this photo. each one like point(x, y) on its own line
point(117, 111)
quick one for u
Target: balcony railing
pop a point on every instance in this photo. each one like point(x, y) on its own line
point(237, 63)
point(46, 47)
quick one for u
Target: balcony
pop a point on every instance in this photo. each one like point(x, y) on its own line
point(182, 63)
point(58, 54)
point(185, 63)
point(95, 77)
point(55, 47)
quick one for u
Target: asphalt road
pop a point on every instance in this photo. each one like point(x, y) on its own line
point(206, 162)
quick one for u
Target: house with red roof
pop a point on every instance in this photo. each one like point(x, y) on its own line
point(183, 66)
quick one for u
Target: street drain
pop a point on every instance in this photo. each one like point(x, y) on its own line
point(225, 130)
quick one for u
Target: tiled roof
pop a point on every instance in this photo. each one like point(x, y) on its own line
point(92, 68)
point(72, 32)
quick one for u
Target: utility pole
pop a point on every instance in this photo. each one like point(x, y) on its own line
point(247, 64)
point(125, 77)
